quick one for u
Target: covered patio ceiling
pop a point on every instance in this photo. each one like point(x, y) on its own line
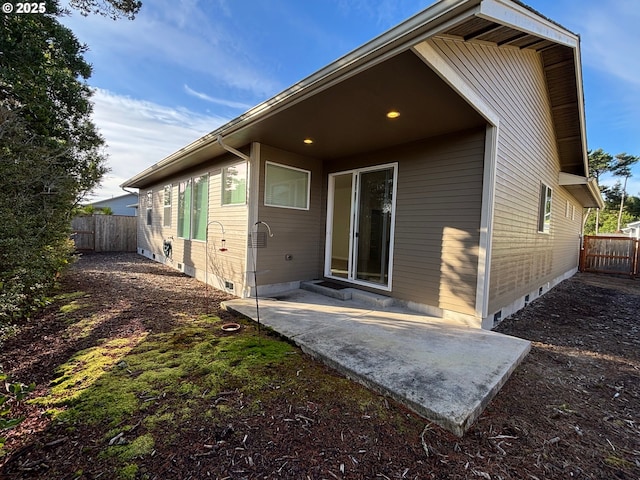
point(351, 117)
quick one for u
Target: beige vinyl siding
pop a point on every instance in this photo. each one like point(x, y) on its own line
point(298, 233)
point(149, 236)
point(512, 82)
point(439, 196)
point(190, 255)
point(229, 265)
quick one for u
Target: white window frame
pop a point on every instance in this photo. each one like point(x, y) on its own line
point(167, 195)
point(193, 207)
point(224, 182)
point(288, 167)
point(545, 209)
point(186, 209)
point(149, 209)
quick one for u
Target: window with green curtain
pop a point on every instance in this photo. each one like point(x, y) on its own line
point(286, 187)
point(200, 207)
point(184, 209)
point(234, 182)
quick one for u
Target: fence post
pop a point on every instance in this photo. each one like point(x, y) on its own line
point(634, 267)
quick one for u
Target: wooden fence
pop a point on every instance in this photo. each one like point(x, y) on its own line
point(602, 254)
point(105, 233)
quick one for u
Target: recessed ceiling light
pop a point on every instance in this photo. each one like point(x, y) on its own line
point(393, 114)
point(308, 141)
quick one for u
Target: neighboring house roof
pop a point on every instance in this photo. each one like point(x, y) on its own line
point(338, 105)
point(121, 205)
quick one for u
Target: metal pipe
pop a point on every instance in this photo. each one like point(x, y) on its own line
point(255, 267)
point(230, 149)
point(206, 258)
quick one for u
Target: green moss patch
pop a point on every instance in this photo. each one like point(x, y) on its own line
point(146, 384)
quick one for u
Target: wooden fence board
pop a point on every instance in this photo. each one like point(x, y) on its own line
point(608, 254)
point(105, 233)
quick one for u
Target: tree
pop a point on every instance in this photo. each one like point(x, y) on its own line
point(51, 154)
point(109, 8)
point(622, 168)
point(599, 163)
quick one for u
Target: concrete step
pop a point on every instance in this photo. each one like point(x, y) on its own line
point(367, 298)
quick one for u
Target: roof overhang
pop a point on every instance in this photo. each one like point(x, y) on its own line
point(507, 23)
point(504, 23)
point(584, 189)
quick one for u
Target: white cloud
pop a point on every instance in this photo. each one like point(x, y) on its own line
point(180, 37)
point(218, 101)
point(610, 38)
point(140, 133)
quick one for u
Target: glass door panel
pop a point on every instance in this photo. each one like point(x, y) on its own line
point(373, 232)
point(360, 225)
point(341, 225)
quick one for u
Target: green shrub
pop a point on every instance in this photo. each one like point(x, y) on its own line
point(14, 393)
point(28, 278)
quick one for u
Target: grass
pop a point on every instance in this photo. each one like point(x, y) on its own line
point(142, 386)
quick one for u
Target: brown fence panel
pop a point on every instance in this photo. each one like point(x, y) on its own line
point(84, 232)
point(105, 233)
point(602, 254)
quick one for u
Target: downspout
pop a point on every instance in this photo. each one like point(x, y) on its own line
point(230, 149)
point(247, 159)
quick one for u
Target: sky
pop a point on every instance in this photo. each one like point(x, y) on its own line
point(183, 68)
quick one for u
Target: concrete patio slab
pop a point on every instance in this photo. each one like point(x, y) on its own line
point(444, 371)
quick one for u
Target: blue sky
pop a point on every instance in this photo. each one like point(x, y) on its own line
point(184, 67)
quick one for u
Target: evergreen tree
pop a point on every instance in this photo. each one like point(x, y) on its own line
point(51, 154)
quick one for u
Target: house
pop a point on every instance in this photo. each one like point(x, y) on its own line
point(442, 164)
point(123, 205)
point(632, 230)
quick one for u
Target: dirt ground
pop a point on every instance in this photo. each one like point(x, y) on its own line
point(570, 410)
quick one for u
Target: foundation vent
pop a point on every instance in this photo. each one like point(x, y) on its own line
point(228, 285)
point(497, 318)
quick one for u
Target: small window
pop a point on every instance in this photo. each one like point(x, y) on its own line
point(200, 207)
point(149, 207)
point(234, 182)
point(286, 187)
point(167, 206)
point(544, 212)
point(184, 209)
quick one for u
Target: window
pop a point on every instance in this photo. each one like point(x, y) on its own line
point(200, 207)
point(184, 209)
point(149, 207)
point(193, 208)
point(234, 182)
point(544, 213)
point(286, 187)
point(167, 206)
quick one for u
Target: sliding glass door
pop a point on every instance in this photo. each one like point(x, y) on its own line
point(360, 220)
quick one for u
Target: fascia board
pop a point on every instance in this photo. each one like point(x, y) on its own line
point(516, 16)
